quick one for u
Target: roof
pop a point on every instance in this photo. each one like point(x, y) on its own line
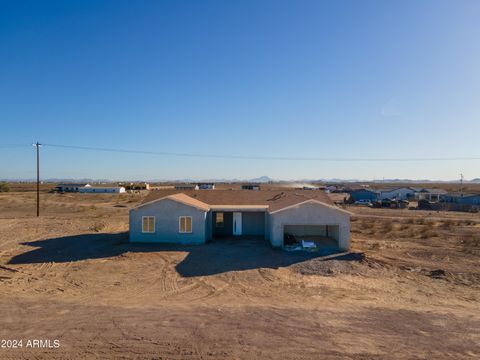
point(434, 191)
point(390, 189)
point(181, 198)
point(274, 199)
point(72, 184)
point(356, 190)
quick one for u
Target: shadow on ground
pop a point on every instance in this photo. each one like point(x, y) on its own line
point(216, 257)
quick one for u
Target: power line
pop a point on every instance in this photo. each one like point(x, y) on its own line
point(247, 157)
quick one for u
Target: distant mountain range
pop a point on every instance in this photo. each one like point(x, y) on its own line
point(262, 179)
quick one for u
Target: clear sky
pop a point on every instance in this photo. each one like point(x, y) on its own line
point(255, 78)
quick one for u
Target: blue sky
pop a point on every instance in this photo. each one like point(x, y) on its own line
point(255, 78)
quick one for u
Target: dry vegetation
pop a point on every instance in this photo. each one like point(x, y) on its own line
point(409, 288)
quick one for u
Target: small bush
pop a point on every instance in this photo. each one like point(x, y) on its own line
point(426, 233)
point(4, 187)
point(98, 226)
point(471, 244)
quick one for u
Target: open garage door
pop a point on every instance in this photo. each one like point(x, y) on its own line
point(313, 237)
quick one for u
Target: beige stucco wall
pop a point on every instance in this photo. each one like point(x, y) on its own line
point(167, 214)
point(311, 213)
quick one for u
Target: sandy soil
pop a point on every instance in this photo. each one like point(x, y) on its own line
point(409, 288)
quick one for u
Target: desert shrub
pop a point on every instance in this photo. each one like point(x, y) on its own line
point(471, 244)
point(420, 221)
point(387, 227)
point(98, 226)
point(425, 233)
point(367, 224)
point(4, 187)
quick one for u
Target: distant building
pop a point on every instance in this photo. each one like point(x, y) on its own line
point(402, 193)
point(206, 186)
point(251, 187)
point(330, 188)
point(467, 199)
point(187, 187)
point(363, 194)
point(102, 190)
point(138, 186)
point(432, 195)
point(71, 187)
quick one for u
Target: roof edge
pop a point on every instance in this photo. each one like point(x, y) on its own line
point(313, 201)
point(172, 197)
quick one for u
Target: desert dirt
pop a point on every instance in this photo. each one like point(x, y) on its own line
point(409, 288)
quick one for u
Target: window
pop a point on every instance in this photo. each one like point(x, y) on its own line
point(148, 224)
point(185, 224)
point(219, 220)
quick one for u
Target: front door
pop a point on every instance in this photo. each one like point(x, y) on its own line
point(237, 223)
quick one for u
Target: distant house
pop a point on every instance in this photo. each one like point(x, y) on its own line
point(432, 195)
point(310, 187)
point(251, 187)
point(102, 190)
point(401, 193)
point(363, 194)
point(467, 199)
point(206, 186)
point(187, 187)
point(138, 186)
point(195, 217)
point(71, 187)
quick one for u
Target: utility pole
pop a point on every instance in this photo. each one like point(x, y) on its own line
point(37, 145)
point(461, 185)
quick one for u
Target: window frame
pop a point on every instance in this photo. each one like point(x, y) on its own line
point(154, 223)
point(216, 220)
point(180, 224)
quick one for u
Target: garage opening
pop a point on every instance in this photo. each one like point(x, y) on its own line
point(323, 238)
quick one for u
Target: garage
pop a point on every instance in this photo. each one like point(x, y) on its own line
point(310, 225)
point(320, 237)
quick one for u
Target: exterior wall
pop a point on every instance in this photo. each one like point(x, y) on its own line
point(465, 200)
point(205, 187)
point(310, 214)
point(363, 195)
point(253, 223)
point(267, 226)
point(100, 190)
point(399, 194)
point(167, 214)
point(71, 187)
point(208, 226)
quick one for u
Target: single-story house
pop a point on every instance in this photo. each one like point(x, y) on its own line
point(251, 187)
point(196, 217)
point(138, 186)
point(187, 187)
point(363, 194)
point(206, 186)
point(432, 195)
point(466, 199)
point(102, 190)
point(71, 187)
point(401, 193)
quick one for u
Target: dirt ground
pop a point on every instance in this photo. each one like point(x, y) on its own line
point(408, 289)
